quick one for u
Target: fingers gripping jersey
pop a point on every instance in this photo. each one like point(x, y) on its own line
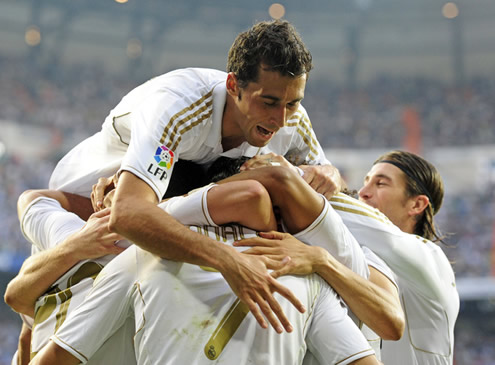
point(176, 115)
point(426, 284)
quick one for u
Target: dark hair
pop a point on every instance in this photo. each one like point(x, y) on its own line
point(223, 167)
point(422, 178)
point(275, 44)
point(186, 176)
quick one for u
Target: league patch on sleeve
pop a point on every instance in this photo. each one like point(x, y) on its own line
point(163, 161)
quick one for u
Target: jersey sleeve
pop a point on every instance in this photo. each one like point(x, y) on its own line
point(328, 231)
point(190, 209)
point(332, 337)
point(373, 260)
point(45, 223)
point(158, 131)
point(407, 255)
point(305, 149)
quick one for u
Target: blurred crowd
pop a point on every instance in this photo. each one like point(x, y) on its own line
point(72, 103)
point(374, 115)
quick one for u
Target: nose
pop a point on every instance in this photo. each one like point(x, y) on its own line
point(279, 116)
point(364, 193)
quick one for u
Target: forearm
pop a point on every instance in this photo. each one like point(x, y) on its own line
point(136, 216)
point(24, 346)
point(155, 231)
point(37, 274)
point(378, 308)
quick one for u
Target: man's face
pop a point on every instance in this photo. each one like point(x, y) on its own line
point(384, 188)
point(263, 107)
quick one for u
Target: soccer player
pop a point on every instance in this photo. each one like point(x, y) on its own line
point(198, 114)
point(394, 218)
point(187, 314)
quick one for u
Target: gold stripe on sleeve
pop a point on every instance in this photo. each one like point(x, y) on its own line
point(176, 121)
point(191, 126)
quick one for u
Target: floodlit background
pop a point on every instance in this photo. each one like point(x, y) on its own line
point(416, 75)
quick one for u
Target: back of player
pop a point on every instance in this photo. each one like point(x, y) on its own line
point(185, 314)
point(426, 285)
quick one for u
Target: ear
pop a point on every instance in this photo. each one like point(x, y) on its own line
point(232, 85)
point(418, 204)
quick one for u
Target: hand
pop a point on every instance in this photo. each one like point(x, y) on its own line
point(276, 246)
point(248, 277)
point(270, 159)
point(103, 186)
point(94, 239)
point(324, 179)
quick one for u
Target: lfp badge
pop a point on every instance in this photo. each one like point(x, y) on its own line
point(164, 157)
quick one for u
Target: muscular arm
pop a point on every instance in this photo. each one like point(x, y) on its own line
point(374, 301)
point(136, 216)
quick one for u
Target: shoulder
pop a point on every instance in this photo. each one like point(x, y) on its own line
point(191, 80)
point(344, 203)
point(300, 120)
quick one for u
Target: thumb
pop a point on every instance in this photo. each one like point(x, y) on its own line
point(101, 213)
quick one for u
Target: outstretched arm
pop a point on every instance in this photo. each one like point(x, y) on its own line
point(375, 301)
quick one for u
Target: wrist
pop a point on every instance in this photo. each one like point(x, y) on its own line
point(69, 249)
point(324, 262)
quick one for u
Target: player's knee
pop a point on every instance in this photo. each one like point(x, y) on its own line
point(285, 181)
point(254, 193)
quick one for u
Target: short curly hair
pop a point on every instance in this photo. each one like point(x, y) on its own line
point(275, 44)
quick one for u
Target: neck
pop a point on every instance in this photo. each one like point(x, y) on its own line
point(231, 134)
point(408, 225)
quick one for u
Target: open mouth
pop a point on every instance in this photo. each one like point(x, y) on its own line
point(264, 132)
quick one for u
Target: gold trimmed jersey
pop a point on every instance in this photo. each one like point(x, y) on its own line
point(327, 231)
point(186, 314)
point(426, 284)
point(175, 115)
point(46, 224)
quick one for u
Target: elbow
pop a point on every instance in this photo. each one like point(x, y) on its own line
point(14, 301)
point(396, 327)
point(9, 299)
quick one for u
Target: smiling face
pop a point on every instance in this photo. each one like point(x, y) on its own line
point(384, 188)
point(255, 113)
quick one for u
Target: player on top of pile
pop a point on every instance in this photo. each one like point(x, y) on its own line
point(199, 114)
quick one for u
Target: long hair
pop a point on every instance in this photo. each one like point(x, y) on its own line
point(422, 178)
point(274, 44)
